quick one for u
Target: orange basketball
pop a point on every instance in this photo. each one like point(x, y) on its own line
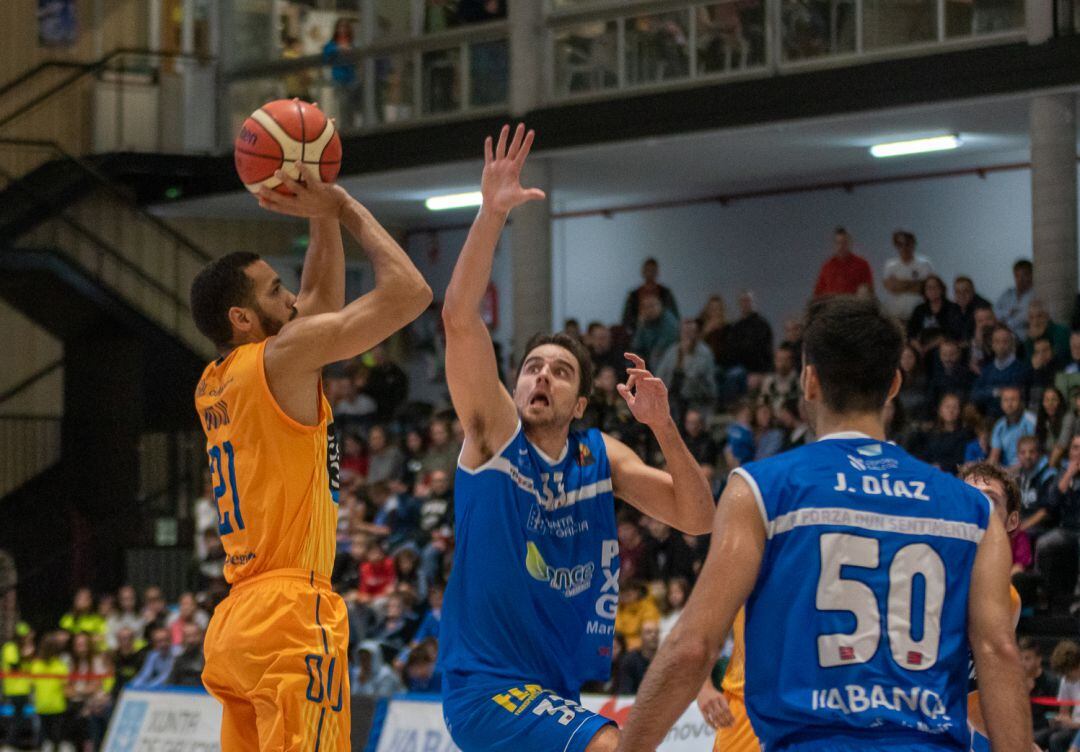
point(281, 133)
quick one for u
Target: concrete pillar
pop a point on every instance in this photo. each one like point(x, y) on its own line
point(1039, 20)
point(1053, 201)
point(528, 52)
point(530, 256)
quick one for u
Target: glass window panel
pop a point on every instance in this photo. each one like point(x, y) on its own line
point(814, 28)
point(393, 19)
point(394, 88)
point(968, 17)
point(441, 74)
point(489, 72)
point(730, 35)
point(340, 98)
point(586, 58)
point(657, 47)
point(251, 26)
point(896, 23)
point(439, 15)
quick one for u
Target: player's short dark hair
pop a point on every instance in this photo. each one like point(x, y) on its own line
point(576, 348)
point(855, 348)
point(991, 473)
point(1065, 658)
point(219, 286)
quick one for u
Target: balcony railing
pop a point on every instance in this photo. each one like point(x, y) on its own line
point(599, 46)
point(462, 71)
point(602, 48)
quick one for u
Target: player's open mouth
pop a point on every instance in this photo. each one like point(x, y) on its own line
point(539, 400)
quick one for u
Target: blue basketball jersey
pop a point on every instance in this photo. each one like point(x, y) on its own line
point(534, 586)
point(856, 630)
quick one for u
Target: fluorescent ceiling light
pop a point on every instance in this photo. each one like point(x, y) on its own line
point(454, 201)
point(918, 146)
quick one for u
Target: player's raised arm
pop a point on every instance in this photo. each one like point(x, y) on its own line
point(682, 498)
point(687, 655)
point(1002, 684)
point(322, 282)
point(483, 405)
point(306, 344)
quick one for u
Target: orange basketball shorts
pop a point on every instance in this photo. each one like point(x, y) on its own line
point(276, 658)
point(738, 737)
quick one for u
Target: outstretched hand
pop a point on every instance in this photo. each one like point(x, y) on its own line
point(310, 197)
point(645, 395)
point(501, 183)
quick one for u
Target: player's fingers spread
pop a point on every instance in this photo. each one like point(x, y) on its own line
point(488, 156)
point(500, 150)
point(637, 360)
point(535, 194)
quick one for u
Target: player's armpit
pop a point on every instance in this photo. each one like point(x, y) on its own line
point(1002, 685)
point(686, 656)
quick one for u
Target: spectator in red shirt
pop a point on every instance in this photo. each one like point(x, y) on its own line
point(844, 273)
point(377, 575)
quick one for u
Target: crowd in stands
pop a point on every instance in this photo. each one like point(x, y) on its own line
point(981, 381)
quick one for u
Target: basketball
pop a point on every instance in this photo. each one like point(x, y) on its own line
point(281, 133)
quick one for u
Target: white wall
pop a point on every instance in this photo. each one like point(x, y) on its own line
point(775, 246)
point(435, 254)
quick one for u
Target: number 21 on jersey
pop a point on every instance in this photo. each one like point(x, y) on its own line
point(226, 524)
point(837, 593)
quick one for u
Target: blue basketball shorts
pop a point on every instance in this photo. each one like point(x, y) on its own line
point(522, 717)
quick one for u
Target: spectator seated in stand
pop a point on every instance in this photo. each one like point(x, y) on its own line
point(1015, 422)
point(688, 370)
point(657, 330)
point(158, 664)
point(740, 447)
point(370, 675)
point(650, 272)
point(636, 661)
point(636, 609)
point(1005, 370)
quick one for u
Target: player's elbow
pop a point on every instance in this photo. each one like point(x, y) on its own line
point(457, 315)
point(689, 651)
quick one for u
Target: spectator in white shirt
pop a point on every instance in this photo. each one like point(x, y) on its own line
point(904, 276)
point(1012, 307)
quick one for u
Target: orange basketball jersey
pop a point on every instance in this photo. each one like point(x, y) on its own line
point(274, 479)
point(735, 674)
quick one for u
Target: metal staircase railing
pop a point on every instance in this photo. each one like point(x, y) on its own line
point(128, 250)
point(29, 443)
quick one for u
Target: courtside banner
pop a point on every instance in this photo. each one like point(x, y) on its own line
point(165, 721)
point(416, 725)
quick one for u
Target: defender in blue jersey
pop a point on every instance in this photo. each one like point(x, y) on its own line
point(867, 577)
point(529, 612)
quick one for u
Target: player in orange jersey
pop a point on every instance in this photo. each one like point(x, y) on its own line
point(1004, 494)
point(726, 712)
point(276, 648)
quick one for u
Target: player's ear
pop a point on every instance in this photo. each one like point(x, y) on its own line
point(809, 382)
point(579, 408)
point(897, 382)
point(1012, 522)
point(241, 319)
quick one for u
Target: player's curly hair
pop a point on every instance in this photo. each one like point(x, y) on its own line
point(991, 473)
point(219, 286)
